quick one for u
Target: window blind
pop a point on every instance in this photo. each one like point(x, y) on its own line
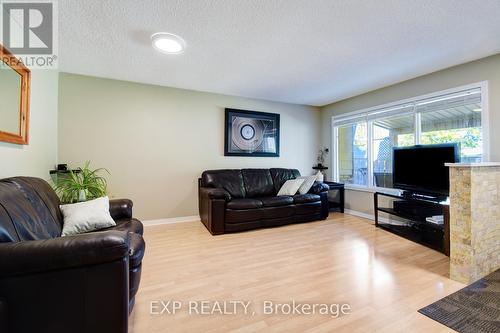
point(447, 101)
point(455, 100)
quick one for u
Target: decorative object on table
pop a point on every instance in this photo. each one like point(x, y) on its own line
point(59, 172)
point(319, 176)
point(85, 184)
point(475, 308)
point(250, 133)
point(62, 167)
point(436, 219)
point(321, 156)
point(320, 167)
point(83, 217)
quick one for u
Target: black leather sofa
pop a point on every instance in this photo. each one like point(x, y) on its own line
point(237, 200)
point(83, 283)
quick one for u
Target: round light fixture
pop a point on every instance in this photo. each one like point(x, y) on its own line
point(168, 43)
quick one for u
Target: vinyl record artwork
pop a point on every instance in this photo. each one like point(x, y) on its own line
point(250, 133)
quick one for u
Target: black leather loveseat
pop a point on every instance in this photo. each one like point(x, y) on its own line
point(236, 200)
point(79, 284)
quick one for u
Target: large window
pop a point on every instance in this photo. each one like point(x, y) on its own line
point(364, 141)
point(353, 154)
point(395, 131)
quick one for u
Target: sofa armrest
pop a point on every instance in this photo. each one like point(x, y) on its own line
point(212, 207)
point(63, 252)
point(120, 208)
point(318, 187)
point(215, 193)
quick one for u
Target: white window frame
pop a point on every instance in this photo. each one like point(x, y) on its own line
point(483, 86)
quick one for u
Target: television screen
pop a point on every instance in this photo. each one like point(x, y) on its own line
point(421, 168)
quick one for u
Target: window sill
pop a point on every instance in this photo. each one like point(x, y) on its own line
point(372, 189)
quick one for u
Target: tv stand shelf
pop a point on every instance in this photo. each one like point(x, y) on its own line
point(413, 211)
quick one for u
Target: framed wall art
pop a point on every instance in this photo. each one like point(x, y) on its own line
point(251, 133)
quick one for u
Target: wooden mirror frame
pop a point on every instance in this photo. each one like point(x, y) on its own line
point(22, 137)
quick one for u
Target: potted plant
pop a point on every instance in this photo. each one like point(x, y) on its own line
point(82, 185)
point(321, 156)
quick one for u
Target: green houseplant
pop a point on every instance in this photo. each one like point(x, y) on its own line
point(84, 184)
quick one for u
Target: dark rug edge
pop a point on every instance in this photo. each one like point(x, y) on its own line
point(423, 311)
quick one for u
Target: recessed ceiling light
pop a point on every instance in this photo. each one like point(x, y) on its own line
point(477, 110)
point(168, 43)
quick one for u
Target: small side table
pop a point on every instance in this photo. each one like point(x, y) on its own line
point(321, 168)
point(340, 188)
point(56, 174)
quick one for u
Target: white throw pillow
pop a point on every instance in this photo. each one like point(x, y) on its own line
point(86, 216)
point(290, 187)
point(307, 184)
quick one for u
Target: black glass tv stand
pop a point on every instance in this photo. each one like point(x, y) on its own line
point(413, 213)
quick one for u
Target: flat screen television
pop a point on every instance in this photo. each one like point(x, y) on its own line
point(421, 169)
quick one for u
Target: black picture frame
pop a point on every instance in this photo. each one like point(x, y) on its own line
point(259, 132)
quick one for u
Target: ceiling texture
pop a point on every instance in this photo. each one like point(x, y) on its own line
point(310, 52)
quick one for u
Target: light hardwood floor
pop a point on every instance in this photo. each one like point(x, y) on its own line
point(345, 259)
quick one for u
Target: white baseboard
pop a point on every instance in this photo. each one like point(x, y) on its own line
point(196, 218)
point(172, 220)
point(359, 214)
point(365, 215)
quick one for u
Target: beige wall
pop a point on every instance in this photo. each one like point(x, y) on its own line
point(156, 141)
point(487, 69)
point(37, 158)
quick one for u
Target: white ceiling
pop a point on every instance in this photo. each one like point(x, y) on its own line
point(298, 51)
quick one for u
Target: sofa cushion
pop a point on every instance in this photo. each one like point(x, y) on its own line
point(280, 176)
point(230, 180)
point(305, 198)
point(258, 182)
point(46, 193)
point(244, 204)
point(8, 232)
point(276, 201)
point(25, 215)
